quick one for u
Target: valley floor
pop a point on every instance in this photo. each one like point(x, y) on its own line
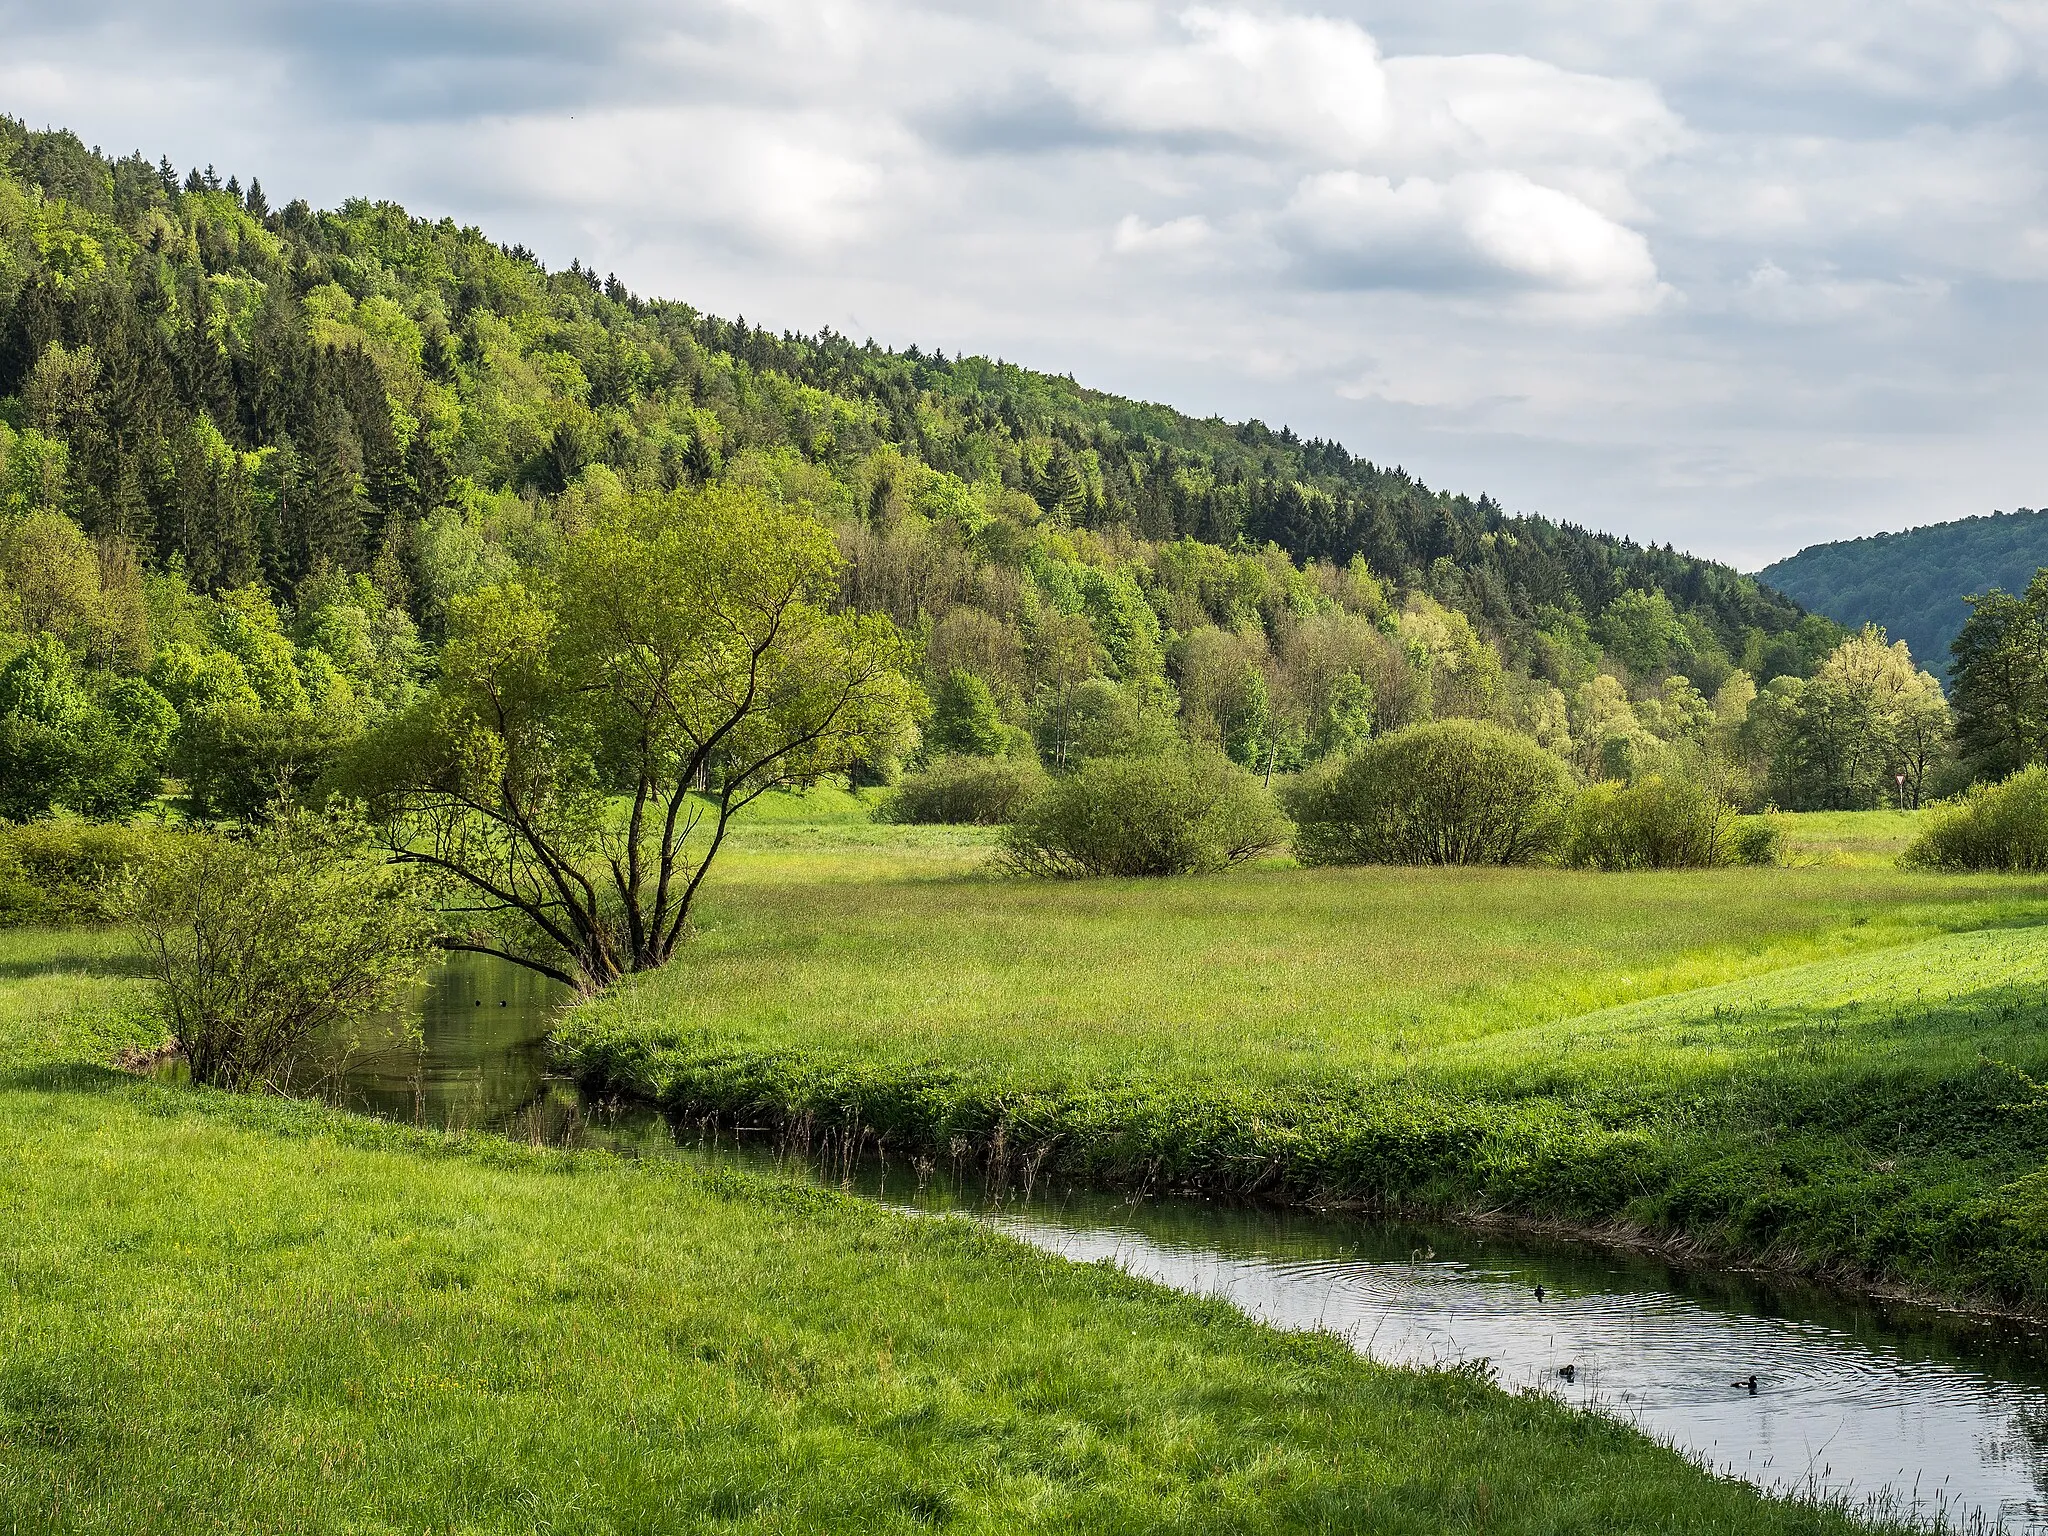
point(1829, 1067)
point(243, 1314)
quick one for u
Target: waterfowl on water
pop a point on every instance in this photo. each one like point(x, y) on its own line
point(1568, 1372)
point(1750, 1385)
point(1539, 1293)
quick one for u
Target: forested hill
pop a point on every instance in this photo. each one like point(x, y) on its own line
point(1914, 583)
point(261, 392)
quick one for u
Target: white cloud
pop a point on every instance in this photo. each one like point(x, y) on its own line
point(1305, 83)
point(1485, 226)
point(1176, 237)
point(1823, 228)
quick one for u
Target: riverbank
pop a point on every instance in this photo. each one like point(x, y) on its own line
point(1821, 1069)
point(237, 1313)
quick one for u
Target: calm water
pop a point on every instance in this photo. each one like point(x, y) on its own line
point(1930, 1412)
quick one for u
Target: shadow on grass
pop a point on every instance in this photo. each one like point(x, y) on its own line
point(79, 962)
point(71, 1077)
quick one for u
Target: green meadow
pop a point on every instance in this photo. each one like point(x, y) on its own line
point(1826, 1067)
point(235, 1314)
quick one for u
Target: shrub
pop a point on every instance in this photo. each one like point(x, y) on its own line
point(2000, 826)
point(1654, 823)
point(264, 947)
point(1759, 840)
point(1177, 813)
point(70, 871)
point(974, 791)
point(1449, 792)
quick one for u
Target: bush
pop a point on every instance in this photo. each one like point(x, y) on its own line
point(70, 871)
point(1449, 792)
point(2000, 826)
point(970, 791)
point(1177, 813)
point(266, 947)
point(1654, 823)
point(1759, 840)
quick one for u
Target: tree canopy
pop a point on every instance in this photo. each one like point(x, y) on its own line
point(682, 641)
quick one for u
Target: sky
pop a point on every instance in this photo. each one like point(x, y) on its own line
point(1741, 276)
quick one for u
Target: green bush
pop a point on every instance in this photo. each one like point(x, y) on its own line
point(1449, 792)
point(1176, 813)
point(967, 791)
point(70, 871)
point(1654, 823)
point(270, 947)
point(1759, 840)
point(2000, 826)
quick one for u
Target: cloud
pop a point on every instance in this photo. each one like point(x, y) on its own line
point(1305, 83)
point(1676, 269)
point(1481, 227)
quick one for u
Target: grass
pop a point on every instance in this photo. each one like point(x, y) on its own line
point(230, 1314)
point(1815, 1067)
point(1848, 838)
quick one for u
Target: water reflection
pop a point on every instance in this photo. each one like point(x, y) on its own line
point(1933, 1413)
point(471, 1054)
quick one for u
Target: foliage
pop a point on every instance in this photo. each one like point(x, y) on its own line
point(2000, 675)
point(1178, 813)
point(1656, 823)
point(90, 743)
point(268, 947)
point(1867, 729)
point(966, 719)
point(682, 640)
point(1451, 792)
point(238, 760)
point(966, 790)
point(71, 871)
point(1759, 840)
point(1916, 585)
point(2002, 826)
point(362, 417)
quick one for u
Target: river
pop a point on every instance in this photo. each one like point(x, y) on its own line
point(1915, 1409)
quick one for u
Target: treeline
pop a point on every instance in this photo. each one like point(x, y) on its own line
point(252, 456)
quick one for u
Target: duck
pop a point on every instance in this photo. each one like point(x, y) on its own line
point(1568, 1372)
point(1749, 1385)
point(1539, 1293)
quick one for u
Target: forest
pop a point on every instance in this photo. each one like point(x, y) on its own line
point(252, 455)
point(1916, 584)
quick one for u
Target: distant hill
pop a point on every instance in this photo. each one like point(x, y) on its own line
point(1914, 583)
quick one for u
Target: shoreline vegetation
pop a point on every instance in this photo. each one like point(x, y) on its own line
point(260, 1310)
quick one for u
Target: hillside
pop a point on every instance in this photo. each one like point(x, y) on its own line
point(1913, 583)
point(271, 390)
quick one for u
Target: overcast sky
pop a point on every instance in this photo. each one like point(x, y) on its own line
point(1741, 275)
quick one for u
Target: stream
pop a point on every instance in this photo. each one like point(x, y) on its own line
point(1911, 1410)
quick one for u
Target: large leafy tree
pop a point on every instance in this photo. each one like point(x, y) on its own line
point(2000, 675)
point(1868, 727)
point(595, 727)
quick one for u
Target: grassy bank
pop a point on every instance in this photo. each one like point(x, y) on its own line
point(241, 1315)
point(1812, 1066)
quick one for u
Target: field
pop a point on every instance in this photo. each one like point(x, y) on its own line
point(1825, 1067)
point(235, 1314)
